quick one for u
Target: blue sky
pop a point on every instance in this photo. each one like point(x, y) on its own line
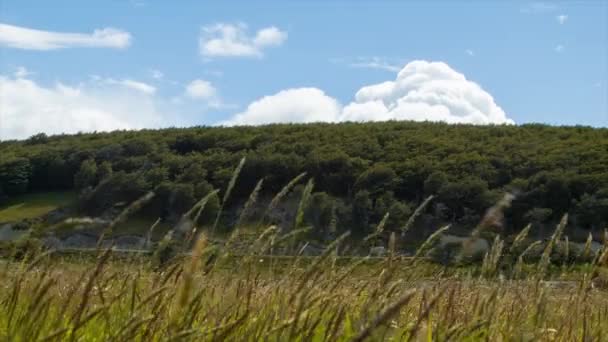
point(299, 61)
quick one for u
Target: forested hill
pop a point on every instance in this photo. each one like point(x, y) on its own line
point(360, 170)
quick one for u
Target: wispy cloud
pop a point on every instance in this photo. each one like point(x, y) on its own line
point(233, 40)
point(138, 3)
point(379, 63)
point(559, 48)
point(22, 72)
point(138, 86)
point(561, 18)
point(538, 7)
point(30, 39)
point(156, 74)
point(469, 52)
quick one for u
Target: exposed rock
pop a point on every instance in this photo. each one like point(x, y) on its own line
point(476, 247)
point(80, 241)
point(56, 216)
point(578, 247)
point(130, 242)
point(9, 233)
point(51, 242)
point(377, 251)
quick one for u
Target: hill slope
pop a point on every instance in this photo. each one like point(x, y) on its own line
point(361, 170)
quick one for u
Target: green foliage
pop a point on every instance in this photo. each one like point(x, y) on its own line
point(14, 176)
point(104, 171)
point(365, 168)
point(377, 180)
point(87, 175)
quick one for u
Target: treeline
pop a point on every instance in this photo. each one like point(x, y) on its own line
point(361, 170)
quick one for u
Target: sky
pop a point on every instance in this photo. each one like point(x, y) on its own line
point(82, 66)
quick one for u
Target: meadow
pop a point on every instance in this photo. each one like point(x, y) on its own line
point(33, 205)
point(210, 294)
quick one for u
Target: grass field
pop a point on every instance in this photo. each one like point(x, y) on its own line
point(209, 295)
point(34, 205)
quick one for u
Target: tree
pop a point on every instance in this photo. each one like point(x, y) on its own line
point(15, 175)
point(471, 193)
point(87, 174)
point(537, 217)
point(104, 171)
point(376, 180)
point(591, 211)
point(399, 212)
point(40, 138)
point(181, 198)
point(434, 182)
point(362, 210)
point(318, 213)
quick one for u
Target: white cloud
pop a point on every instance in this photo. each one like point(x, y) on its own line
point(422, 91)
point(426, 91)
point(22, 72)
point(127, 83)
point(29, 108)
point(538, 7)
point(291, 105)
point(379, 63)
point(139, 86)
point(201, 89)
point(30, 39)
point(561, 18)
point(470, 52)
point(270, 36)
point(559, 48)
point(233, 40)
point(156, 74)
point(376, 63)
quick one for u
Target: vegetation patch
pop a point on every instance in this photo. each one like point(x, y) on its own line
point(33, 205)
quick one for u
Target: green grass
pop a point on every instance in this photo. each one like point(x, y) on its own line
point(140, 225)
point(33, 205)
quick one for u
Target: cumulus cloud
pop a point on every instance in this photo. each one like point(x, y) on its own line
point(29, 108)
point(201, 89)
point(422, 91)
point(233, 40)
point(31, 39)
point(291, 105)
point(426, 91)
point(270, 36)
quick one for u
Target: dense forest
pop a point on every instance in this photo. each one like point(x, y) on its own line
point(360, 170)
